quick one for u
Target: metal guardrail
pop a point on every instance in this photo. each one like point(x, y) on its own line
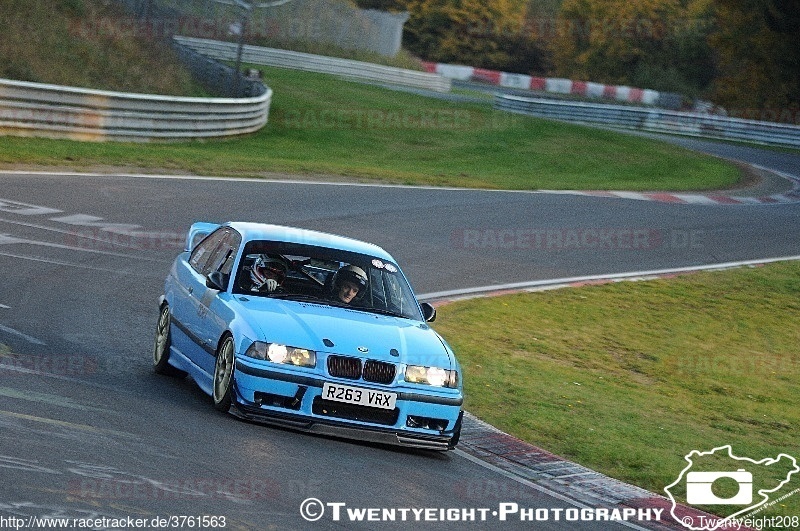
point(226, 51)
point(42, 110)
point(37, 109)
point(654, 120)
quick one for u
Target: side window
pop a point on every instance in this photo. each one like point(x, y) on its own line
point(205, 250)
point(232, 243)
point(223, 254)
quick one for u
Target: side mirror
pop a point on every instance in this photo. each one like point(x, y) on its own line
point(217, 281)
point(428, 312)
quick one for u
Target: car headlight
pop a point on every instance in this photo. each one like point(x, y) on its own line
point(431, 376)
point(278, 353)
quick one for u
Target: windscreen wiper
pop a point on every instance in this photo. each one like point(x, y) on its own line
point(378, 310)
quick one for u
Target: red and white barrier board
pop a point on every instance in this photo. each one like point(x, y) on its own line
point(554, 85)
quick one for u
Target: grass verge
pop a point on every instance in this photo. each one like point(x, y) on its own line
point(320, 124)
point(628, 378)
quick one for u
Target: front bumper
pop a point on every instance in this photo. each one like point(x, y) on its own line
point(295, 401)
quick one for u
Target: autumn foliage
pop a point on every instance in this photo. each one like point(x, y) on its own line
point(742, 54)
point(757, 45)
point(659, 44)
point(474, 32)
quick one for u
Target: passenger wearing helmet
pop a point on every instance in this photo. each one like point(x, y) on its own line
point(348, 282)
point(267, 274)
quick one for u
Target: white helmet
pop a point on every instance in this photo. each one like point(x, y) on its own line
point(266, 268)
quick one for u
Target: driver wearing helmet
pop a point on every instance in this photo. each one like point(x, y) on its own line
point(348, 282)
point(267, 274)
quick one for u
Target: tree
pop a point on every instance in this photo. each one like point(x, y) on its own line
point(659, 44)
point(475, 32)
point(756, 45)
point(482, 33)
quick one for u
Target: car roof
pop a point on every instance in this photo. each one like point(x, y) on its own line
point(280, 233)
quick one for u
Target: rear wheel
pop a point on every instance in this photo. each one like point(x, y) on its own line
point(223, 375)
point(161, 350)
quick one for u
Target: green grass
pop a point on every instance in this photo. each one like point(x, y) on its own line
point(323, 125)
point(628, 378)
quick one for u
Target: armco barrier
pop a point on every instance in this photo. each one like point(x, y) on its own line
point(36, 109)
point(226, 51)
point(655, 120)
point(556, 85)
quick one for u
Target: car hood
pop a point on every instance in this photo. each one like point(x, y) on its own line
point(309, 325)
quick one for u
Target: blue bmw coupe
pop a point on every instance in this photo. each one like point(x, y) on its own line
point(309, 331)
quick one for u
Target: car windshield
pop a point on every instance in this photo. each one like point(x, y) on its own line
point(328, 276)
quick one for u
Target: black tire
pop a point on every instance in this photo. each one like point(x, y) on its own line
point(222, 390)
point(161, 347)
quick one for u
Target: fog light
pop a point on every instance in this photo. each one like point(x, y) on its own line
point(426, 423)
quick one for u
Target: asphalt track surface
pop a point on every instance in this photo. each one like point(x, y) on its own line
point(87, 430)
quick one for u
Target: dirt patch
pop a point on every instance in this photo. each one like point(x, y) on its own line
point(757, 182)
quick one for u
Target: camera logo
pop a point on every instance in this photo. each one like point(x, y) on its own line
point(738, 486)
point(699, 492)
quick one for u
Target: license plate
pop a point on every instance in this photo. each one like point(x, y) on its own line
point(359, 396)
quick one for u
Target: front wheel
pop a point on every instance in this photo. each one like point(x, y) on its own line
point(223, 375)
point(161, 347)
